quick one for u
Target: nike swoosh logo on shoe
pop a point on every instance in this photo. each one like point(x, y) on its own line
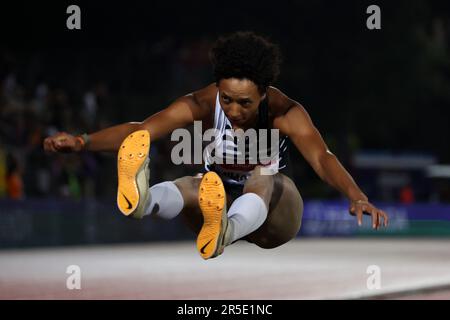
point(202, 250)
point(128, 201)
point(155, 208)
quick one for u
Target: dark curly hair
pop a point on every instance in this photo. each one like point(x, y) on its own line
point(245, 55)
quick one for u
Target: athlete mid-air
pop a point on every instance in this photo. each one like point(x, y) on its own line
point(265, 209)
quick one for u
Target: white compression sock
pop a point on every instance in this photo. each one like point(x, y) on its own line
point(246, 214)
point(166, 200)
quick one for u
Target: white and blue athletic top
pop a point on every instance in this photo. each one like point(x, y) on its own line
point(221, 154)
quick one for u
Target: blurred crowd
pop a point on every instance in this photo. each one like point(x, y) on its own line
point(32, 111)
point(27, 116)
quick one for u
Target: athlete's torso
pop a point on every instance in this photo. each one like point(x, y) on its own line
point(221, 154)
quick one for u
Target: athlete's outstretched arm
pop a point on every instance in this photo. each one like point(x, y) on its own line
point(179, 114)
point(297, 124)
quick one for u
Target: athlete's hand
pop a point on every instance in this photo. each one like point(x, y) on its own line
point(63, 142)
point(360, 207)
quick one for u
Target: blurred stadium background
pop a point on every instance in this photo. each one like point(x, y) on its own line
point(381, 99)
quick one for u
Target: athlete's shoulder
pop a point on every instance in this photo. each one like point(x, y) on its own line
point(201, 102)
point(285, 111)
point(278, 102)
point(205, 97)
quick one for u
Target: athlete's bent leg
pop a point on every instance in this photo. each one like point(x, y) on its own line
point(134, 196)
point(249, 211)
point(284, 218)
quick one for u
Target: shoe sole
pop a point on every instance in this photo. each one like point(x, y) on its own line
point(212, 202)
point(133, 174)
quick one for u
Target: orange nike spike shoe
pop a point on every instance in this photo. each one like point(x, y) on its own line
point(212, 201)
point(133, 174)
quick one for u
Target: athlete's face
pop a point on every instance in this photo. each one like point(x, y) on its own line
point(240, 99)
